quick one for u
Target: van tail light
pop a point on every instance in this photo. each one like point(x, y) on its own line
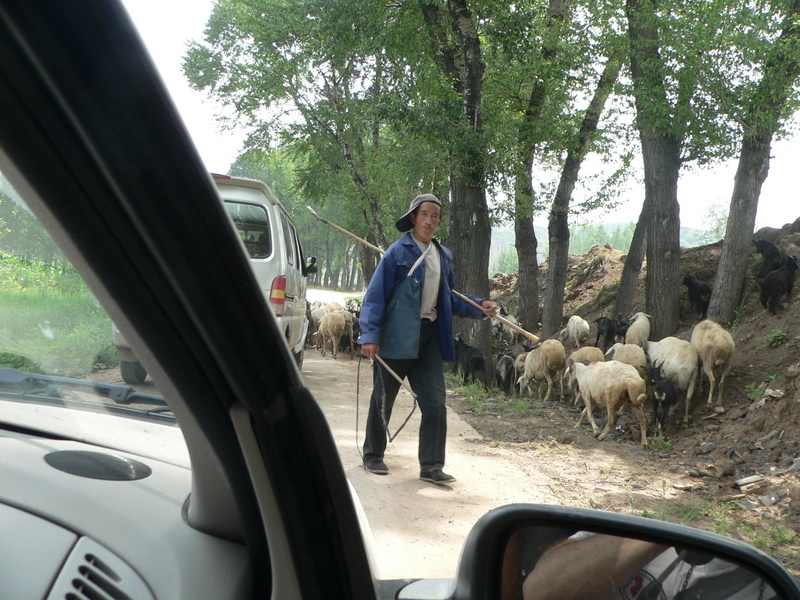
point(277, 295)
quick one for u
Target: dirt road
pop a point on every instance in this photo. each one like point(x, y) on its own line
point(418, 527)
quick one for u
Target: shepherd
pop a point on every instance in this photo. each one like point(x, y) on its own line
point(407, 320)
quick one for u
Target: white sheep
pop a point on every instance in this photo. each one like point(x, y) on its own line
point(585, 354)
point(543, 364)
point(577, 331)
point(715, 347)
point(611, 384)
point(348, 329)
point(519, 369)
point(331, 327)
point(678, 361)
point(316, 316)
point(630, 354)
point(639, 329)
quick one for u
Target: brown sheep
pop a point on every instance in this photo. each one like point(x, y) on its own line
point(331, 327)
point(610, 384)
point(715, 347)
point(543, 364)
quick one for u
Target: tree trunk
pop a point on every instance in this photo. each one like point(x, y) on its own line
point(469, 223)
point(661, 156)
point(527, 247)
point(623, 307)
point(558, 227)
point(763, 118)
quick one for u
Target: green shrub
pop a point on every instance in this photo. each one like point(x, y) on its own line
point(776, 337)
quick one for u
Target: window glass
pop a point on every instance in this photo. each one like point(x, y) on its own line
point(287, 239)
point(252, 223)
point(64, 367)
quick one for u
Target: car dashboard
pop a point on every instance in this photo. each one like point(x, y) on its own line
point(89, 522)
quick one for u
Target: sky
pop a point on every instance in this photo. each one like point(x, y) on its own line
point(166, 27)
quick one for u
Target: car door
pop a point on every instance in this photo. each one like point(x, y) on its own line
point(90, 139)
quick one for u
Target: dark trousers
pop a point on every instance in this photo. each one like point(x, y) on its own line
point(426, 377)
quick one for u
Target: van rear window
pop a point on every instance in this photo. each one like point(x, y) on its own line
point(252, 223)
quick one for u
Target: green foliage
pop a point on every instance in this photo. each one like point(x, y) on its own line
point(52, 323)
point(506, 262)
point(776, 337)
point(659, 443)
point(716, 220)
point(583, 237)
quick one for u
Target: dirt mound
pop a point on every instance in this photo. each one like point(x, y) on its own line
point(750, 454)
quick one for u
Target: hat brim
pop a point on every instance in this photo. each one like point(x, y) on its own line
point(404, 223)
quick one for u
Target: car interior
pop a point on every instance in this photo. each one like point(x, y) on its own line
point(245, 496)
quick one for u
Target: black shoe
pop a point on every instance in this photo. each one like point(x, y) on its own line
point(436, 476)
point(376, 466)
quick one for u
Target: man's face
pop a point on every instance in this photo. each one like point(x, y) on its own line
point(426, 221)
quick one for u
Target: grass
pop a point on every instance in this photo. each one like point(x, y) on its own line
point(659, 443)
point(51, 321)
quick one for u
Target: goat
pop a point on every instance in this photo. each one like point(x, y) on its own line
point(777, 283)
point(665, 398)
point(576, 331)
point(543, 364)
point(331, 327)
point(716, 348)
point(607, 330)
point(504, 372)
point(585, 354)
point(699, 293)
point(679, 361)
point(771, 255)
point(610, 384)
point(639, 330)
point(472, 362)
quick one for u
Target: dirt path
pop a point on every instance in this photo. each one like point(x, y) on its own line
point(419, 528)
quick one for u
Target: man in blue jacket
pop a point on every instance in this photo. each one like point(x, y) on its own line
point(431, 264)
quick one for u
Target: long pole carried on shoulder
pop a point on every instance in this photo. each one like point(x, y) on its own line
point(513, 326)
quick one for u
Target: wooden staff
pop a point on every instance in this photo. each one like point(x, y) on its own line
point(513, 326)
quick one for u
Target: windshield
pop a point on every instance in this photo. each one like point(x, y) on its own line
point(60, 371)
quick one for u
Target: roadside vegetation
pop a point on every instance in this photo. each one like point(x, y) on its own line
point(52, 322)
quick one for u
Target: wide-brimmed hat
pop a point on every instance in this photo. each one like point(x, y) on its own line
point(404, 223)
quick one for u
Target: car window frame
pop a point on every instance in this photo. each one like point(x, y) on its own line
point(82, 65)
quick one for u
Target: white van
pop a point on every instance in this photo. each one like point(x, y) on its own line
point(270, 239)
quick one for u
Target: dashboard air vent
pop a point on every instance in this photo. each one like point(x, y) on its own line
point(92, 572)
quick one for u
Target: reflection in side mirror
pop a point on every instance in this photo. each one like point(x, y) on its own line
point(532, 551)
point(561, 563)
point(311, 265)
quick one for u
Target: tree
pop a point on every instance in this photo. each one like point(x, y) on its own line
point(558, 228)
point(762, 118)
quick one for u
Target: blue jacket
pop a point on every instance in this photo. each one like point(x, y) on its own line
point(394, 266)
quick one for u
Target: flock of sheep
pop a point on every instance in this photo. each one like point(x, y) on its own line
point(619, 374)
point(629, 367)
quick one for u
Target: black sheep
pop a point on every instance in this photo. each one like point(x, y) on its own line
point(699, 293)
point(606, 329)
point(665, 398)
point(472, 362)
point(773, 258)
point(777, 283)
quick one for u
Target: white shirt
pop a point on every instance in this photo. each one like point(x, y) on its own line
point(433, 274)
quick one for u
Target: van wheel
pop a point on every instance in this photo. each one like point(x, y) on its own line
point(132, 372)
point(298, 358)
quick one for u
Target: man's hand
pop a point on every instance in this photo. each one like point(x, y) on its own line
point(490, 308)
point(370, 350)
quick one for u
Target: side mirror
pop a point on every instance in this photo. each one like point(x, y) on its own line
point(532, 552)
point(311, 265)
